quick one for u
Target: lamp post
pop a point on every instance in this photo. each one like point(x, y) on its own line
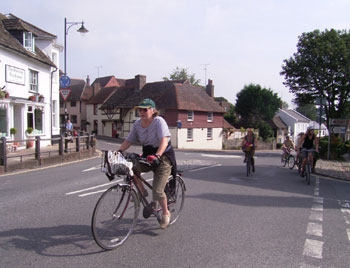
point(81, 30)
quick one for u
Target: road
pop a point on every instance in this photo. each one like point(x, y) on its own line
point(271, 219)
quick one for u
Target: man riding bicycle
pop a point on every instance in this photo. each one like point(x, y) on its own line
point(249, 144)
point(307, 141)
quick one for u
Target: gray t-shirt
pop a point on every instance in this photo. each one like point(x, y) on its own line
point(150, 135)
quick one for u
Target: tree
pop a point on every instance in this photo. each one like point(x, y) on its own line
point(321, 68)
point(309, 110)
point(182, 74)
point(255, 104)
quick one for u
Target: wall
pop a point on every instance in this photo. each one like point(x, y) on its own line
point(200, 140)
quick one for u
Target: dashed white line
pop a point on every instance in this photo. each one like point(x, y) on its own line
point(348, 232)
point(314, 229)
point(221, 156)
point(313, 248)
point(316, 216)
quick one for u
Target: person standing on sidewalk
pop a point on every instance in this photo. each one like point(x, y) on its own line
point(153, 133)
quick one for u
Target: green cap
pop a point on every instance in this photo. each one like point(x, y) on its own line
point(147, 103)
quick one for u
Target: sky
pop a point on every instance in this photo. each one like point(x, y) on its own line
point(232, 42)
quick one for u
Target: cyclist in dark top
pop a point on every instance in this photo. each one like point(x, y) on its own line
point(308, 141)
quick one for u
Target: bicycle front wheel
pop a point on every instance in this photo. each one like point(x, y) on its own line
point(283, 160)
point(291, 161)
point(248, 166)
point(115, 216)
point(175, 192)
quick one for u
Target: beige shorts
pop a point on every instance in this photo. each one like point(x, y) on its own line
point(161, 175)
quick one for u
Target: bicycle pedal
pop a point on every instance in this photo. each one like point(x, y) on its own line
point(147, 211)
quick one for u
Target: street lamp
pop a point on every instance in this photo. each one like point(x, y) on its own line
point(81, 30)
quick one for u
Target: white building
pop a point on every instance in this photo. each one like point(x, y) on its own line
point(29, 60)
point(295, 121)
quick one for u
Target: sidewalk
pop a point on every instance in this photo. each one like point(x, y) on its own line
point(334, 169)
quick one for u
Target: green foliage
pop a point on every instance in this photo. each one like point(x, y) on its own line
point(29, 130)
point(13, 131)
point(265, 130)
point(256, 104)
point(321, 68)
point(309, 110)
point(182, 74)
point(337, 147)
point(231, 116)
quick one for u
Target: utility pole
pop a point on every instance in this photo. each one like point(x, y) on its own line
point(98, 70)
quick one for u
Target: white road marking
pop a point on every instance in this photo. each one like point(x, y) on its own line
point(348, 232)
point(94, 187)
point(221, 156)
point(304, 265)
point(314, 229)
point(196, 169)
point(318, 200)
point(91, 193)
point(317, 207)
point(316, 216)
point(92, 168)
point(313, 248)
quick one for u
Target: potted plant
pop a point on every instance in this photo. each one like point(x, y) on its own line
point(32, 98)
point(30, 144)
point(4, 94)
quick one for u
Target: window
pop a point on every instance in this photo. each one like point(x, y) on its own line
point(61, 104)
point(73, 118)
point(28, 41)
point(95, 109)
point(210, 134)
point(190, 116)
point(190, 134)
point(3, 121)
point(54, 113)
point(210, 116)
point(35, 117)
point(33, 80)
point(73, 104)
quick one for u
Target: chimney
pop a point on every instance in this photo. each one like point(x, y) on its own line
point(96, 87)
point(210, 88)
point(88, 80)
point(140, 81)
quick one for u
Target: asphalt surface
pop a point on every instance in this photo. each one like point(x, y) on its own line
point(270, 219)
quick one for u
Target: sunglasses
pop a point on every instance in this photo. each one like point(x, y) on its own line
point(142, 109)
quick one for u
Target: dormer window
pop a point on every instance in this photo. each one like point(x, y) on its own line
point(28, 41)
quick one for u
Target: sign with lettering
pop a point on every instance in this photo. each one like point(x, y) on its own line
point(339, 122)
point(14, 75)
point(65, 93)
point(338, 130)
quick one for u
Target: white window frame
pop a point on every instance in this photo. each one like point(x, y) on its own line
point(54, 113)
point(209, 134)
point(33, 81)
point(210, 117)
point(190, 134)
point(190, 116)
point(28, 41)
point(31, 110)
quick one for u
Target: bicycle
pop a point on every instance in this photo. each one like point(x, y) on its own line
point(308, 165)
point(249, 158)
point(115, 214)
point(287, 157)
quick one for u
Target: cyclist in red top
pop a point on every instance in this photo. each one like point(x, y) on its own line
point(249, 143)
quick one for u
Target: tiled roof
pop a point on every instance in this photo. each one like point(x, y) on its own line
point(298, 116)
point(278, 122)
point(102, 95)
point(102, 81)
point(168, 95)
point(10, 42)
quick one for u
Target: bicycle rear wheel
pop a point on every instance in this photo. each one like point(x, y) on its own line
point(115, 216)
point(291, 161)
point(175, 192)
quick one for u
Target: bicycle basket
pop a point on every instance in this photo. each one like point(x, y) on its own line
point(114, 163)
